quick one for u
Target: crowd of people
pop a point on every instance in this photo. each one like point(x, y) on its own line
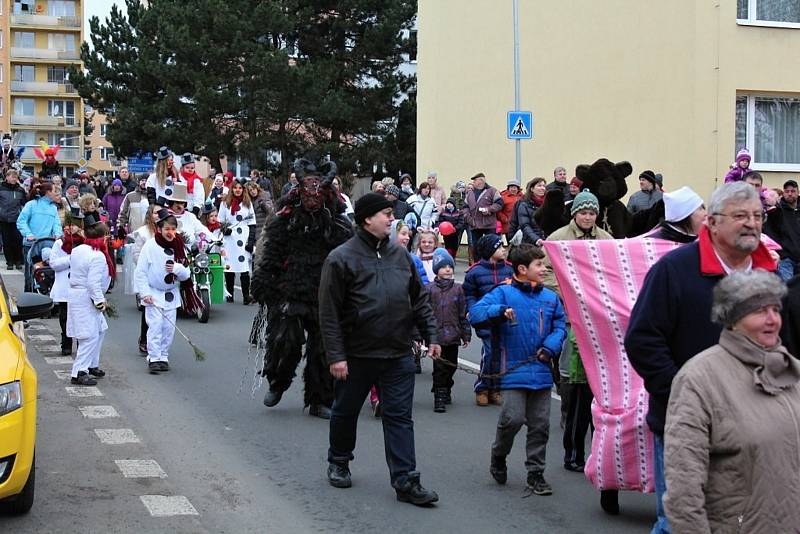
point(368, 287)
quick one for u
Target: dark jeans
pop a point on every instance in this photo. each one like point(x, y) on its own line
point(442, 373)
point(477, 234)
point(28, 268)
point(66, 342)
point(395, 381)
point(578, 400)
point(12, 243)
point(490, 366)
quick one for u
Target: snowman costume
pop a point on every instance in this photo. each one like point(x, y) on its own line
point(89, 279)
point(59, 261)
point(151, 280)
point(156, 191)
point(238, 241)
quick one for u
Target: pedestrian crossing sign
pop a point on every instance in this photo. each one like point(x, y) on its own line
point(520, 125)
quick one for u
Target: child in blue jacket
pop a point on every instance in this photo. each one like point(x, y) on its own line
point(482, 277)
point(531, 326)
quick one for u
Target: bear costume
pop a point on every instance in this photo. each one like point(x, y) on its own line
point(606, 180)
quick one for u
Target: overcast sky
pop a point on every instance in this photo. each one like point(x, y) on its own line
point(99, 8)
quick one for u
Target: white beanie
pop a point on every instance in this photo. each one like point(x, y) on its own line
point(680, 204)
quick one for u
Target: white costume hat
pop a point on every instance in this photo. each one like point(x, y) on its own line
point(680, 204)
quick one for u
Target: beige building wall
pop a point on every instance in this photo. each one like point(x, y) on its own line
point(654, 83)
point(99, 152)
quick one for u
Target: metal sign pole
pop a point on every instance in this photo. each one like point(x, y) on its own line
point(517, 142)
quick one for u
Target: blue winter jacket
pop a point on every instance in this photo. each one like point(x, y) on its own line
point(39, 218)
point(540, 324)
point(481, 278)
point(420, 269)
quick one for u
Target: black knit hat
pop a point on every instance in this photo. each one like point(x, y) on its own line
point(487, 245)
point(370, 204)
point(649, 175)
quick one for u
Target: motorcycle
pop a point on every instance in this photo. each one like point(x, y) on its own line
point(202, 277)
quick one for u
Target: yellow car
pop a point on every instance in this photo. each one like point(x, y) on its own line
point(17, 401)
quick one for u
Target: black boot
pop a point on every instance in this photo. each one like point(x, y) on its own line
point(230, 278)
point(609, 501)
point(272, 398)
point(339, 475)
point(411, 491)
point(498, 469)
point(319, 410)
point(439, 400)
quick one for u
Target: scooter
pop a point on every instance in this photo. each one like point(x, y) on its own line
point(202, 277)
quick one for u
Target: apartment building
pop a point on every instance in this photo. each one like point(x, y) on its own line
point(99, 154)
point(677, 87)
point(40, 40)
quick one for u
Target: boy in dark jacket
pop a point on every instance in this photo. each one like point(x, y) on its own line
point(482, 277)
point(532, 328)
point(455, 217)
point(450, 309)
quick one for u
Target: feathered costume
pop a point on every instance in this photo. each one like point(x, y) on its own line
point(294, 243)
point(48, 155)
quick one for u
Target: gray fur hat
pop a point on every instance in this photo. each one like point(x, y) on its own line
point(741, 293)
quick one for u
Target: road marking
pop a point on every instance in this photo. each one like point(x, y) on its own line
point(62, 374)
point(467, 363)
point(166, 505)
point(116, 436)
point(83, 391)
point(59, 360)
point(98, 412)
point(140, 469)
point(42, 337)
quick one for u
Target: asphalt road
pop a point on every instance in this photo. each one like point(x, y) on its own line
point(217, 460)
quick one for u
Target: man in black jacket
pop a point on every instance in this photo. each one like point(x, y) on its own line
point(370, 299)
point(12, 198)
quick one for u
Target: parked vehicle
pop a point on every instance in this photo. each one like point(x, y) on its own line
point(206, 264)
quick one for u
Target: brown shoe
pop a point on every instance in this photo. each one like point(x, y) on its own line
point(495, 397)
point(482, 398)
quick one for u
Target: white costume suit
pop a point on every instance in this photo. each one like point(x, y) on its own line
point(191, 226)
point(149, 281)
point(161, 191)
point(237, 259)
point(59, 261)
point(88, 282)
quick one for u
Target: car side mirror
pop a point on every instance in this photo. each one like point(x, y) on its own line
point(30, 306)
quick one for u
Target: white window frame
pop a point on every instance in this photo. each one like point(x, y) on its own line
point(751, 20)
point(103, 155)
point(1, 106)
point(103, 130)
point(750, 136)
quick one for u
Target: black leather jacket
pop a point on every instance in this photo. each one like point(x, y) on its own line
point(370, 300)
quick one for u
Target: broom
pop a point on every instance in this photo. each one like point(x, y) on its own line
point(199, 355)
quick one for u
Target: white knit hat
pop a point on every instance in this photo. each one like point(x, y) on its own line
point(680, 204)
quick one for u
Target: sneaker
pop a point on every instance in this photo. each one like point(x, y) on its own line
point(97, 372)
point(574, 466)
point(164, 366)
point(538, 485)
point(339, 476)
point(142, 346)
point(83, 379)
point(154, 368)
point(482, 398)
point(319, 410)
point(498, 469)
point(411, 491)
point(495, 397)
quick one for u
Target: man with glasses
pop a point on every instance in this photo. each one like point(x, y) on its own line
point(671, 320)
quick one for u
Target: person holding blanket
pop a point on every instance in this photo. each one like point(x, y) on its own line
point(158, 273)
point(90, 275)
point(531, 325)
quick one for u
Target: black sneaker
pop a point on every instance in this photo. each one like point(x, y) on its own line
point(538, 485)
point(411, 491)
point(319, 410)
point(339, 476)
point(164, 366)
point(154, 368)
point(498, 469)
point(97, 372)
point(83, 379)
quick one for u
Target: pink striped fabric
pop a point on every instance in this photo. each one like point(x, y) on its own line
point(599, 282)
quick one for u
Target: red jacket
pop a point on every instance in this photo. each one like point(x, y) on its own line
point(509, 200)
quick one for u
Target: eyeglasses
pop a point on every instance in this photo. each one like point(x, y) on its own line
point(741, 217)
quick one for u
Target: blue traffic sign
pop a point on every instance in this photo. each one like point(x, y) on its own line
point(142, 164)
point(520, 125)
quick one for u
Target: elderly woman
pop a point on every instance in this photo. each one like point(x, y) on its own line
point(732, 432)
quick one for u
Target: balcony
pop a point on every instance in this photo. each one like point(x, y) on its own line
point(43, 87)
point(65, 155)
point(45, 20)
point(44, 53)
point(42, 120)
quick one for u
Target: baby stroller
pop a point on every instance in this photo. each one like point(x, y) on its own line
point(41, 274)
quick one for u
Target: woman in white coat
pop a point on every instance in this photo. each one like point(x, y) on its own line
point(59, 261)
point(90, 273)
point(160, 184)
point(424, 206)
point(238, 221)
point(158, 274)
